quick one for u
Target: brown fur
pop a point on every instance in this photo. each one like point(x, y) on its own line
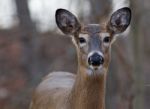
point(62, 90)
point(59, 90)
point(86, 90)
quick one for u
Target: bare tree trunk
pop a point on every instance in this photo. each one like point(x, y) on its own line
point(140, 42)
point(29, 39)
point(125, 75)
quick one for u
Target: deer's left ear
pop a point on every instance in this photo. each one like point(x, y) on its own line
point(120, 20)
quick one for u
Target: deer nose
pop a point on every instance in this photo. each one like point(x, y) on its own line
point(95, 59)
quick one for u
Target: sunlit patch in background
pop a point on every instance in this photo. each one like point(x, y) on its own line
point(42, 12)
point(7, 14)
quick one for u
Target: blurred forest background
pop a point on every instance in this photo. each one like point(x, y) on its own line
point(31, 46)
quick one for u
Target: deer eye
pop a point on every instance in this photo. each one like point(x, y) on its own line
point(106, 39)
point(82, 40)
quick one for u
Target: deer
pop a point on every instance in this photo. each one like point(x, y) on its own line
point(86, 88)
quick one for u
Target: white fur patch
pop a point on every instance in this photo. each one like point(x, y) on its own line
point(103, 35)
point(85, 36)
point(91, 53)
point(99, 71)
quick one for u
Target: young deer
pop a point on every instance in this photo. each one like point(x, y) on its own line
point(86, 90)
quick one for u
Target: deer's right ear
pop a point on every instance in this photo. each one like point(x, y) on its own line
point(67, 22)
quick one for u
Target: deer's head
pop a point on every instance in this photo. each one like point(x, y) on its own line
point(93, 41)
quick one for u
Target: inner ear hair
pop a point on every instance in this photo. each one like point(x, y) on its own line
point(120, 20)
point(67, 22)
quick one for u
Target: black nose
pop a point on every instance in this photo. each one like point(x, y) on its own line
point(95, 60)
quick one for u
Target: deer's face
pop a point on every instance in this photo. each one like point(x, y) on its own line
point(93, 44)
point(93, 41)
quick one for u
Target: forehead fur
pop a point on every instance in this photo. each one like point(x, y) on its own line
point(93, 28)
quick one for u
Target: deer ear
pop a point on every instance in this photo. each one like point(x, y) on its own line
point(66, 21)
point(120, 20)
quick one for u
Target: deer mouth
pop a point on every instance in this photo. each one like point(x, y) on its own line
point(96, 70)
point(95, 67)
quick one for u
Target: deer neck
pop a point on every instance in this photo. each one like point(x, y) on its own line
point(88, 91)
